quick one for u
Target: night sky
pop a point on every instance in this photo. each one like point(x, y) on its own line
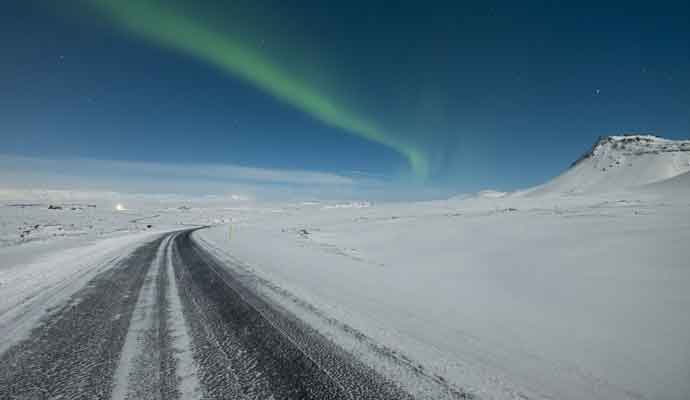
point(455, 95)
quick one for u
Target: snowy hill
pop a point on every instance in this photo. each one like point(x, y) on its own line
point(677, 184)
point(621, 162)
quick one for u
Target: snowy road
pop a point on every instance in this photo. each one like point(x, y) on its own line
point(169, 321)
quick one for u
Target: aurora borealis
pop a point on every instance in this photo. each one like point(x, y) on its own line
point(164, 25)
point(453, 95)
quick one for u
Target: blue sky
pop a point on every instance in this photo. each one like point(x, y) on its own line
point(490, 95)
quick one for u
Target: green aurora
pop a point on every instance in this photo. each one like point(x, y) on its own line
point(170, 27)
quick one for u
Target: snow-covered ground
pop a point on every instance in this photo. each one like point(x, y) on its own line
point(569, 300)
point(576, 289)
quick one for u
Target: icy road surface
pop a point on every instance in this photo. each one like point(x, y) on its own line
point(169, 321)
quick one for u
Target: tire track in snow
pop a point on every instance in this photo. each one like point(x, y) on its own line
point(216, 367)
point(156, 361)
point(138, 372)
point(177, 334)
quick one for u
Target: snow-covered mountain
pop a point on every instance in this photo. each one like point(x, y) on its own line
point(622, 162)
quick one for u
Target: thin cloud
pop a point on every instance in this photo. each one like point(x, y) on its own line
point(17, 167)
point(20, 176)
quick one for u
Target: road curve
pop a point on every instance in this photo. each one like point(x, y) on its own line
point(171, 322)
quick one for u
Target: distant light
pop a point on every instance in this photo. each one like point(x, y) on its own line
point(119, 207)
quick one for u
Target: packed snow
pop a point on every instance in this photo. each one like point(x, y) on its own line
point(576, 289)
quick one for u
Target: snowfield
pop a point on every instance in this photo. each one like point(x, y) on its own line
point(507, 298)
point(576, 289)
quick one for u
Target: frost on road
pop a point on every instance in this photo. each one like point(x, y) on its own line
point(169, 321)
